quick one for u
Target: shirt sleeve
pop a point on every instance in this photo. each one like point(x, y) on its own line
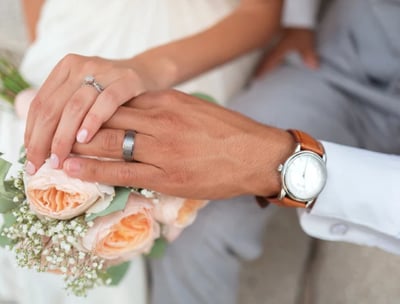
point(361, 200)
point(300, 13)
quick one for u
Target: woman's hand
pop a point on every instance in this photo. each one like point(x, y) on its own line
point(185, 147)
point(300, 40)
point(66, 109)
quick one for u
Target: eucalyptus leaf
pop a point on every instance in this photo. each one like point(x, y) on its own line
point(22, 155)
point(7, 191)
point(4, 241)
point(6, 202)
point(204, 97)
point(4, 168)
point(8, 220)
point(158, 249)
point(117, 204)
point(117, 273)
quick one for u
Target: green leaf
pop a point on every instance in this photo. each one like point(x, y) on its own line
point(6, 202)
point(6, 196)
point(117, 273)
point(204, 97)
point(9, 220)
point(117, 204)
point(22, 155)
point(4, 168)
point(158, 248)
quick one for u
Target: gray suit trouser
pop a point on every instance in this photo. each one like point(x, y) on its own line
point(352, 99)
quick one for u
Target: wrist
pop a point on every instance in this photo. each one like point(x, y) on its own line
point(272, 148)
point(156, 72)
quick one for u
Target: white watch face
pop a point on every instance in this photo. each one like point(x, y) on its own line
point(304, 175)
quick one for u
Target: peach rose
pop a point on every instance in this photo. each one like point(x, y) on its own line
point(176, 214)
point(124, 234)
point(54, 194)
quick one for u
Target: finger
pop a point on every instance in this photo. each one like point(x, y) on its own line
point(107, 143)
point(115, 173)
point(47, 115)
point(162, 98)
point(114, 95)
point(310, 59)
point(56, 78)
point(274, 59)
point(126, 118)
point(72, 115)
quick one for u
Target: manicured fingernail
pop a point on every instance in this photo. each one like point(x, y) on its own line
point(82, 135)
point(72, 166)
point(30, 168)
point(54, 161)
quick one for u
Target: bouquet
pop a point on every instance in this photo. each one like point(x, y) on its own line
point(85, 232)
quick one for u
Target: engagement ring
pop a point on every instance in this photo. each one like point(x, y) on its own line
point(91, 81)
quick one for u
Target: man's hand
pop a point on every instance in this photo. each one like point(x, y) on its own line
point(298, 40)
point(185, 147)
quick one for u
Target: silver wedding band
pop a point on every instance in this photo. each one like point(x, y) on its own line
point(128, 145)
point(91, 81)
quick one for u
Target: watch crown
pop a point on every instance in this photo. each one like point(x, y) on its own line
point(280, 168)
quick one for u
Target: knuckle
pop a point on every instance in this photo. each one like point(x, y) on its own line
point(91, 64)
point(36, 105)
point(93, 119)
point(170, 97)
point(109, 141)
point(125, 175)
point(111, 96)
point(69, 60)
point(165, 120)
point(93, 171)
point(131, 75)
point(74, 106)
point(48, 117)
point(32, 151)
point(179, 177)
point(59, 143)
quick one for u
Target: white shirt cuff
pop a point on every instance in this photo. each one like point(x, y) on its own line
point(361, 200)
point(300, 13)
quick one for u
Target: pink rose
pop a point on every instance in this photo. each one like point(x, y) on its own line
point(54, 194)
point(23, 101)
point(176, 214)
point(124, 234)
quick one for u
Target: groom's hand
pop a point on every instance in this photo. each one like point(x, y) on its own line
point(185, 147)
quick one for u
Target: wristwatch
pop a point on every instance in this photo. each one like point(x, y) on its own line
point(303, 174)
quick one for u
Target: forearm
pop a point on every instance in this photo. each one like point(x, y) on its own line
point(247, 28)
point(31, 11)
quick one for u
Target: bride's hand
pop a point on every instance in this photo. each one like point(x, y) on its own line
point(66, 109)
point(185, 147)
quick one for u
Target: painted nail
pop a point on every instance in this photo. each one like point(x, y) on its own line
point(54, 161)
point(82, 135)
point(30, 168)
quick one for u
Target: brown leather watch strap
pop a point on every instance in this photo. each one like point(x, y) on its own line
point(306, 143)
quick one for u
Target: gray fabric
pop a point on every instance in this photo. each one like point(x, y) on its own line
point(353, 99)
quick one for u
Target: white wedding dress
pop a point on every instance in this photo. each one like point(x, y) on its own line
point(111, 29)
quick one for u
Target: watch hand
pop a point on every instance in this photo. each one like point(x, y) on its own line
point(305, 168)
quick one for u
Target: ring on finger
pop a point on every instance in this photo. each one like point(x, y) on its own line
point(91, 81)
point(128, 145)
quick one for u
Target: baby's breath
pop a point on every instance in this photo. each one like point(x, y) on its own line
point(51, 245)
